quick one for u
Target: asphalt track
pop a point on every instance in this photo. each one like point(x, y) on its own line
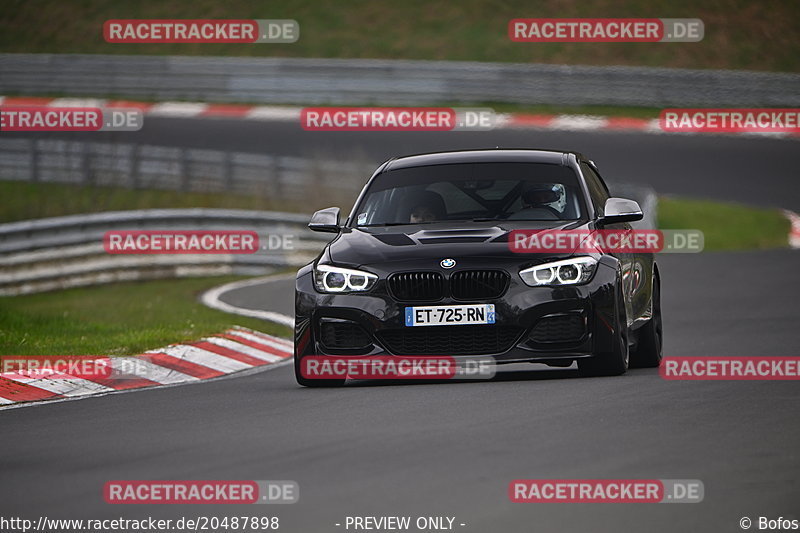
point(451, 449)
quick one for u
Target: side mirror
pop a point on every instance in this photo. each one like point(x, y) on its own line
point(619, 210)
point(325, 220)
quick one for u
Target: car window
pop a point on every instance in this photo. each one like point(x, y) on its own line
point(497, 191)
point(455, 199)
point(597, 190)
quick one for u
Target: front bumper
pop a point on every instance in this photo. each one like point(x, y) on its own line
point(540, 324)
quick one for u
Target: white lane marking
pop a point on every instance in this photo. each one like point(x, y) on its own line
point(139, 367)
point(177, 109)
point(65, 385)
point(243, 348)
point(211, 298)
point(76, 102)
point(287, 114)
point(5, 400)
point(196, 355)
point(261, 340)
point(578, 122)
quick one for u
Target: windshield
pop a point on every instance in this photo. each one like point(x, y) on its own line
point(471, 192)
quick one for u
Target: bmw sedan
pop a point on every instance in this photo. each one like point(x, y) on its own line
point(423, 265)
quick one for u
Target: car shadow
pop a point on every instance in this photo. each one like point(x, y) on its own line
point(541, 374)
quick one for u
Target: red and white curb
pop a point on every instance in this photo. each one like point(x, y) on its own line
point(237, 349)
point(560, 122)
point(794, 232)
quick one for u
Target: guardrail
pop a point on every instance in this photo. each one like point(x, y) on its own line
point(386, 82)
point(297, 180)
point(62, 252)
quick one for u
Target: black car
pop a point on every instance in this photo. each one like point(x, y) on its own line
point(432, 232)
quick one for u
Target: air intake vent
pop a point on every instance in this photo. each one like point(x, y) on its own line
point(559, 328)
point(344, 335)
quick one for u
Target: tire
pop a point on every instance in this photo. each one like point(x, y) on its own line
point(313, 382)
point(612, 363)
point(648, 351)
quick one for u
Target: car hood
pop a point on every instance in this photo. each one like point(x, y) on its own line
point(377, 245)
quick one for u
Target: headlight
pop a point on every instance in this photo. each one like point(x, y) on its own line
point(572, 271)
point(328, 278)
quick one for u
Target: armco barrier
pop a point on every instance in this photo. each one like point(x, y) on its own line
point(386, 82)
point(62, 252)
point(297, 180)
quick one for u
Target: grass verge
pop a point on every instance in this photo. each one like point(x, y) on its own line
point(119, 319)
point(726, 226)
point(25, 200)
point(739, 34)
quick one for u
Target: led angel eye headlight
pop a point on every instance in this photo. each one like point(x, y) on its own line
point(573, 271)
point(328, 278)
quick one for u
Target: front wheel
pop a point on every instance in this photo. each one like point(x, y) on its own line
point(648, 351)
point(615, 362)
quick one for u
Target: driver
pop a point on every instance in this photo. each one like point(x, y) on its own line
point(536, 201)
point(422, 213)
point(426, 206)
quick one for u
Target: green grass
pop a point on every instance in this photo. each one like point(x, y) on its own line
point(726, 226)
point(739, 34)
point(24, 200)
point(599, 110)
point(118, 319)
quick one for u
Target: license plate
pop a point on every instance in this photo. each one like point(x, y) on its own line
point(451, 315)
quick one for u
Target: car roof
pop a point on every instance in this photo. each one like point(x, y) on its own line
point(496, 155)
